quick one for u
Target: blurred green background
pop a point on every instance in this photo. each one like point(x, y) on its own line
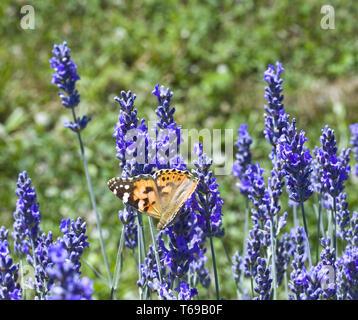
point(212, 54)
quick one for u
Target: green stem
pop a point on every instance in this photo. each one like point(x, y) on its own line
point(226, 251)
point(135, 258)
point(246, 226)
point(140, 250)
point(156, 254)
point(307, 236)
point(93, 200)
point(97, 273)
point(118, 267)
point(286, 284)
point(214, 266)
point(22, 279)
point(335, 226)
point(252, 283)
point(318, 226)
point(273, 260)
point(295, 220)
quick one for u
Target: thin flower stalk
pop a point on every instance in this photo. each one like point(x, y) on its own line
point(65, 77)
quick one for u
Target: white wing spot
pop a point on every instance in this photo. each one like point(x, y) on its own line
point(126, 187)
point(125, 197)
point(115, 191)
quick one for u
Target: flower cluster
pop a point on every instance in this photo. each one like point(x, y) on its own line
point(30, 243)
point(347, 275)
point(275, 117)
point(126, 132)
point(9, 287)
point(74, 240)
point(243, 158)
point(296, 163)
point(67, 283)
point(299, 272)
point(80, 124)
point(209, 203)
point(284, 252)
point(182, 251)
point(65, 75)
point(27, 218)
point(263, 280)
point(354, 143)
point(335, 168)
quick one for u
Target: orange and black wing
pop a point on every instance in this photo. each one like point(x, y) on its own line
point(139, 192)
point(174, 188)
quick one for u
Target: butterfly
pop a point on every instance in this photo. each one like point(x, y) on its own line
point(160, 195)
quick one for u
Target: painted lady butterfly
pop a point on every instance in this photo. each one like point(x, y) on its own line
point(160, 195)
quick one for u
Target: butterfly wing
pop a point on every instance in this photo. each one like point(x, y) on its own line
point(139, 192)
point(174, 188)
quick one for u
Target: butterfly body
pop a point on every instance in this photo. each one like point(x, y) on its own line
point(160, 195)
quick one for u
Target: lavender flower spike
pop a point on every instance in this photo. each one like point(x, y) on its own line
point(243, 157)
point(275, 117)
point(296, 163)
point(27, 218)
point(9, 288)
point(65, 75)
point(335, 169)
point(74, 239)
point(354, 143)
point(67, 283)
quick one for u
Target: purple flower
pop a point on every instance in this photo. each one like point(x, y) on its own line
point(347, 275)
point(183, 245)
point(257, 192)
point(80, 124)
point(130, 134)
point(354, 143)
point(128, 218)
point(27, 217)
point(296, 163)
point(243, 157)
point(352, 232)
point(183, 292)
point(149, 270)
point(335, 169)
point(253, 251)
point(163, 111)
point(298, 274)
point(237, 267)
point(65, 75)
point(198, 269)
point(67, 284)
point(263, 280)
point(284, 252)
point(74, 240)
point(65, 78)
point(343, 215)
point(182, 248)
point(42, 281)
point(260, 198)
point(328, 263)
point(209, 202)
point(275, 117)
point(9, 288)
